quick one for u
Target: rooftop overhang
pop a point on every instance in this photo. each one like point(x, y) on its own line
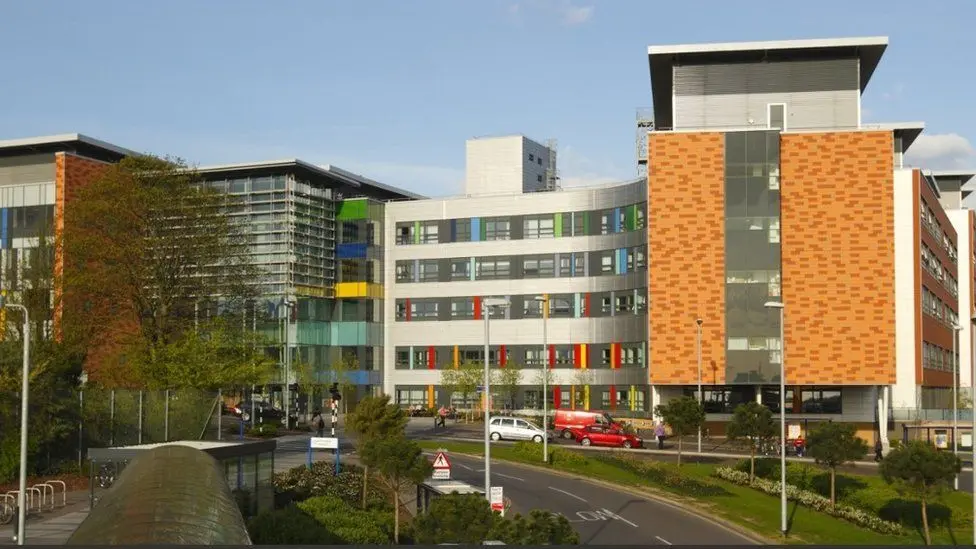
point(350, 183)
point(663, 59)
point(907, 131)
point(964, 177)
point(70, 142)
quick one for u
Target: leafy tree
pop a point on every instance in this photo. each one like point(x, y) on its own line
point(507, 380)
point(539, 528)
point(148, 244)
point(400, 462)
point(375, 418)
point(545, 377)
point(834, 444)
point(468, 519)
point(919, 470)
point(685, 415)
point(464, 379)
point(582, 377)
point(754, 422)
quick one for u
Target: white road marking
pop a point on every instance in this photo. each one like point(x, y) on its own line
point(511, 477)
point(568, 494)
point(662, 540)
point(613, 515)
point(463, 466)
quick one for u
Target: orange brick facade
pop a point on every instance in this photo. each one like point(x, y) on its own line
point(837, 218)
point(686, 256)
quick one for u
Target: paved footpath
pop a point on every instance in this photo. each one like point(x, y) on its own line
point(52, 527)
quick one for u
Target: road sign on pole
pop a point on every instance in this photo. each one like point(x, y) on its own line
point(497, 500)
point(442, 467)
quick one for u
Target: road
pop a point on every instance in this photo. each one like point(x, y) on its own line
point(601, 515)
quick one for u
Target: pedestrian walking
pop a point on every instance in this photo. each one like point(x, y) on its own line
point(878, 450)
point(799, 445)
point(318, 422)
point(441, 417)
point(659, 433)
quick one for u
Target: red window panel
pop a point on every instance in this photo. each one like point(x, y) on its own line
point(613, 397)
point(408, 310)
point(501, 356)
point(586, 305)
point(431, 358)
point(552, 357)
point(615, 354)
point(577, 356)
point(557, 394)
point(477, 307)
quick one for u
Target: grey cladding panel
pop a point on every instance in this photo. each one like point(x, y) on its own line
point(38, 168)
point(816, 94)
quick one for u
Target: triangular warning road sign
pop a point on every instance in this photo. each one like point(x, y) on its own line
point(441, 461)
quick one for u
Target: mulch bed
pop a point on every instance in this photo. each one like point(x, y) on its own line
point(73, 482)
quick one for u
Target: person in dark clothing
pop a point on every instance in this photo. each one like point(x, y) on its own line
point(318, 422)
point(878, 450)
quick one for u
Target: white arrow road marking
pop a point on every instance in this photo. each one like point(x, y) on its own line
point(568, 494)
point(511, 477)
point(662, 540)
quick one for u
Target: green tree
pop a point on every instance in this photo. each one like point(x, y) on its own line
point(919, 470)
point(400, 462)
point(685, 415)
point(582, 378)
point(464, 379)
point(149, 245)
point(539, 528)
point(834, 444)
point(507, 381)
point(468, 519)
point(375, 418)
point(754, 422)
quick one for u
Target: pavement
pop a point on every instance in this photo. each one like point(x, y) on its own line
point(602, 515)
point(52, 527)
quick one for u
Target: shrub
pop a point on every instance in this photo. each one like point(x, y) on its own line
point(664, 475)
point(263, 430)
point(530, 451)
point(813, 501)
point(301, 483)
point(569, 458)
point(288, 526)
point(350, 526)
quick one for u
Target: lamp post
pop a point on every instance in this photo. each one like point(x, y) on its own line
point(955, 395)
point(286, 391)
point(972, 405)
point(544, 299)
point(699, 322)
point(486, 306)
point(24, 387)
point(782, 413)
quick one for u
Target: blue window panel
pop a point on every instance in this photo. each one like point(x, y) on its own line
point(621, 261)
point(351, 251)
point(475, 229)
point(454, 230)
point(616, 220)
point(3, 228)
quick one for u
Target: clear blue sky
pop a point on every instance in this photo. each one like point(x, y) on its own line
point(393, 88)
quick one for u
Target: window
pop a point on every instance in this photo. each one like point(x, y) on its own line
point(542, 266)
point(405, 233)
point(561, 306)
point(579, 223)
point(639, 222)
point(605, 305)
point(606, 262)
point(401, 310)
point(531, 308)
point(428, 270)
point(414, 397)
point(462, 230)
point(605, 357)
point(625, 303)
point(497, 228)
point(462, 308)
point(538, 227)
point(820, 401)
point(531, 157)
point(632, 354)
point(422, 358)
point(777, 116)
point(641, 302)
point(404, 271)
point(428, 232)
point(493, 268)
point(460, 269)
point(606, 216)
point(564, 356)
point(538, 179)
point(538, 160)
point(534, 356)
point(572, 264)
point(423, 310)
point(402, 360)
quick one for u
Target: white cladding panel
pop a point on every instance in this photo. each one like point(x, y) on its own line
point(905, 392)
point(817, 94)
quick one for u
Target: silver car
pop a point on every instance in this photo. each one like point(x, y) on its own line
point(513, 428)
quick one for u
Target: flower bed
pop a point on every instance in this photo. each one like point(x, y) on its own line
point(811, 500)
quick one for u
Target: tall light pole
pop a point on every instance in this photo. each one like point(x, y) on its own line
point(544, 299)
point(286, 391)
point(955, 395)
point(699, 322)
point(24, 395)
point(782, 413)
point(972, 405)
point(486, 306)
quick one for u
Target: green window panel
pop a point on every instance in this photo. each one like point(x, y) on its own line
point(352, 209)
point(314, 333)
point(630, 218)
point(558, 224)
point(416, 232)
point(349, 334)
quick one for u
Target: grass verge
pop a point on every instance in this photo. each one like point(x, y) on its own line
point(696, 487)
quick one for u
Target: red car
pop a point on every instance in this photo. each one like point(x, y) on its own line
point(601, 435)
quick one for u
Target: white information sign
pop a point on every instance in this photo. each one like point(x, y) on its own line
point(793, 431)
point(324, 443)
point(497, 500)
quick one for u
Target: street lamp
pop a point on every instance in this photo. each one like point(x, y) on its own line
point(782, 413)
point(699, 322)
point(955, 395)
point(286, 391)
point(486, 306)
point(544, 299)
point(972, 405)
point(24, 387)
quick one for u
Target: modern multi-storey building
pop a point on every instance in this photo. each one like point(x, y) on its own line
point(765, 186)
point(584, 248)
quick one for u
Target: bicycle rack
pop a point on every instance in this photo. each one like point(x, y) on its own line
point(64, 491)
point(36, 503)
point(44, 486)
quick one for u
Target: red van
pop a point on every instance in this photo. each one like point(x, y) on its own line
point(566, 421)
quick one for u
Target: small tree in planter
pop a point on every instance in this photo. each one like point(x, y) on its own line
point(400, 462)
point(375, 418)
point(834, 444)
point(685, 415)
point(920, 471)
point(754, 422)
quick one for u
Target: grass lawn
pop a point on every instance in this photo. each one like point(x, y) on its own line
point(741, 505)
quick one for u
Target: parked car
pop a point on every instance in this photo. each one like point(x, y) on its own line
point(567, 421)
point(600, 435)
point(513, 428)
point(264, 411)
